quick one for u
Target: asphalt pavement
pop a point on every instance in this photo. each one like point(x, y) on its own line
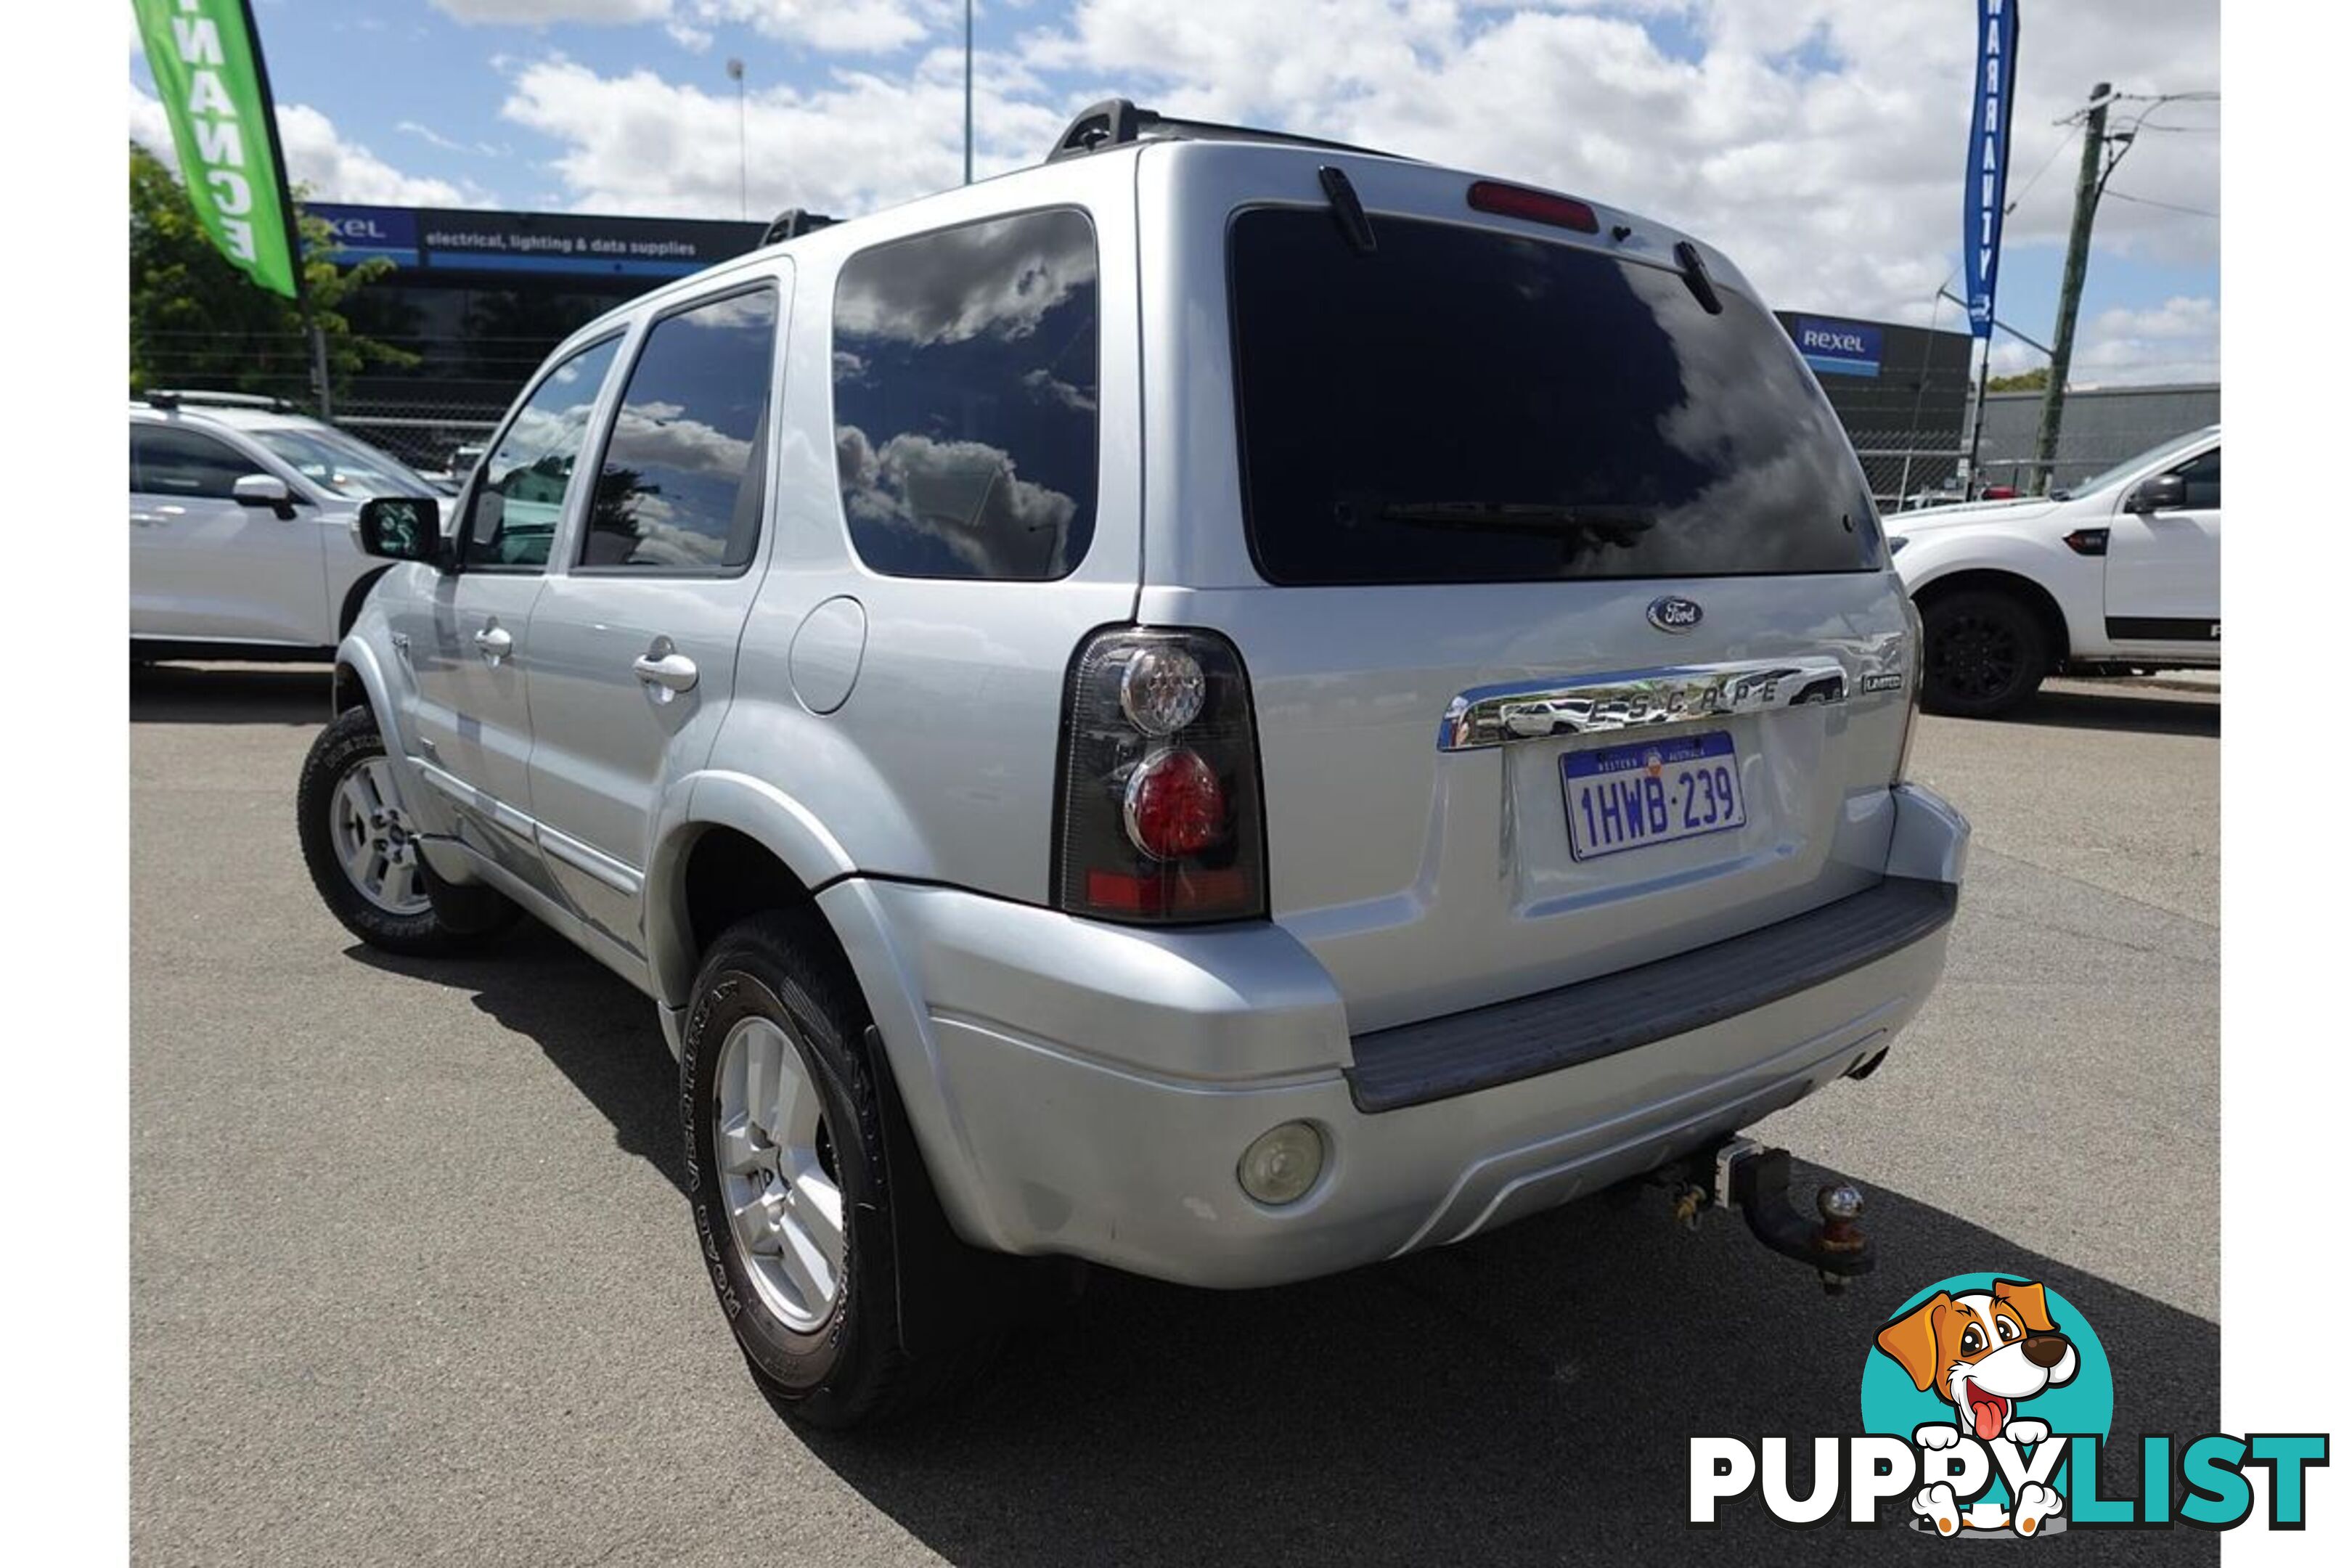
point(411, 1281)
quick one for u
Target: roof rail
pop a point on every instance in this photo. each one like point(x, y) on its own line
point(1116, 122)
point(170, 397)
point(794, 221)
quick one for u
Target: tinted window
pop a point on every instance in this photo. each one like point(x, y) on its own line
point(1461, 404)
point(168, 461)
point(512, 518)
point(2204, 477)
point(680, 483)
point(963, 399)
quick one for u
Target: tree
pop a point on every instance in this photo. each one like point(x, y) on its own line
point(196, 320)
point(2033, 380)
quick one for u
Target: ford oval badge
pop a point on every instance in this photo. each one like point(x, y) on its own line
point(1675, 613)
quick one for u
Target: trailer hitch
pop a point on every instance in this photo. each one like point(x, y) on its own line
point(1745, 1176)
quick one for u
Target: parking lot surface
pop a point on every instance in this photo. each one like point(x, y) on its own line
point(412, 1281)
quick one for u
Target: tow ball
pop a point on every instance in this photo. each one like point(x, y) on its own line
point(1741, 1174)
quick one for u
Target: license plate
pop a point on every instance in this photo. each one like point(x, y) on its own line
point(1653, 792)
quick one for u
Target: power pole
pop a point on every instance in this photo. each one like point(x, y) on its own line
point(2088, 182)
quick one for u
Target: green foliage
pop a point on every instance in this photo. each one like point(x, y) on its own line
point(196, 322)
point(2034, 380)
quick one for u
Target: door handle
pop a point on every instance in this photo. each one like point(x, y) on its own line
point(495, 641)
point(666, 671)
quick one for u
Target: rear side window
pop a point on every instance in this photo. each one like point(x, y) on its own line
point(964, 372)
point(682, 479)
point(519, 504)
point(1461, 404)
point(169, 461)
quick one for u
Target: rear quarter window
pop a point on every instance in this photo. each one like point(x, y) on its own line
point(965, 368)
point(1470, 405)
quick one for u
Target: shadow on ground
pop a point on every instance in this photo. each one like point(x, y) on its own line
point(2147, 710)
point(1527, 1396)
point(232, 694)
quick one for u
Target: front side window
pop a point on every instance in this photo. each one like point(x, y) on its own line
point(2203, 477)
point(168, 461)
point(516, 507)
point(1466, 404)
point(964, 377)
point(680, 486)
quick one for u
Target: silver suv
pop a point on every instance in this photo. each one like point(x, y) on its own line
point(1222, 706)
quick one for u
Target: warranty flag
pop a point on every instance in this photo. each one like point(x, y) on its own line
point(207, 61)
point(1986, 184)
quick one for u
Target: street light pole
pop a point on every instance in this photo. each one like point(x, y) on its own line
point(742, 146)
point(967, 91)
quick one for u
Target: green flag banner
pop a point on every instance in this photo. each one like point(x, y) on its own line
point(207, 68)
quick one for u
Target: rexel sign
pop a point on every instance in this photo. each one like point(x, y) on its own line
point(1838, 348)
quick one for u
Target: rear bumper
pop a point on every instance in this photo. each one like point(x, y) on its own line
point(1088, 1089)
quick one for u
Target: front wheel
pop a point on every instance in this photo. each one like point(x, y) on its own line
point(801, 1215)
point(1986, 652)
point(360, 847)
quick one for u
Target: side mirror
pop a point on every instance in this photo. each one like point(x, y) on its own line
point(2165, 492)
point(403, 528)
point(264, 489)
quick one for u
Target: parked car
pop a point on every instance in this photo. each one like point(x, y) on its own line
point(241, 527)
point(1024, 682)
point(2123, 571)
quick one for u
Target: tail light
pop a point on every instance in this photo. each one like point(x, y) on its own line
point(1160, 816)
point(1534, 206)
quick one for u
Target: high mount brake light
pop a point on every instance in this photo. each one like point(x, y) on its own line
point(1160, 819)
point(1535, 206)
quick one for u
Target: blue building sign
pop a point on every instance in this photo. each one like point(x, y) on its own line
point(437, 239)
point(1838, 348)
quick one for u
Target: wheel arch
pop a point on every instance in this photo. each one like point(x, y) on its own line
point(355, 598)
point(2032, 594)
point(727, 845)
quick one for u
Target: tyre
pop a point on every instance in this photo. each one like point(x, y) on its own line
point(811, 1232)
point(360, 847)
point(1986, 652)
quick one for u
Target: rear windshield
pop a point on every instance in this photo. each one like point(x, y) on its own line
point(1461, 405)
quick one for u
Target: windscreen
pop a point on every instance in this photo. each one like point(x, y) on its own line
point(1464, 404)
point(342, 465)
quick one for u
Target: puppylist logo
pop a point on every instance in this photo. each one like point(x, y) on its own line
point(1986, 1404)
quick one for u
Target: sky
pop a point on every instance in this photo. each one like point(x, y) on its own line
point(1820, 142)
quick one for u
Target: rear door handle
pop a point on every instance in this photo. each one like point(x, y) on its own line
point(666, 671)
point(495, 641)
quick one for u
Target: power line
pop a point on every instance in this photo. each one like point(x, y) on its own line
point(2168, 206)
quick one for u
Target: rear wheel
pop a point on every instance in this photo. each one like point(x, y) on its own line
point(800, 1211)
point(361, 846)
point(1986, 652)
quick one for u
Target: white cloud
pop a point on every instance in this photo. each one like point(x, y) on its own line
point(539, 13)
point(316, 156)
point(638, 143)
point(2179, 340)
point(844, 26)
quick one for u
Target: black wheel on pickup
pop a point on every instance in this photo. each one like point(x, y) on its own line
point(359, 846)
point(1986, 652)
point(818, 1232)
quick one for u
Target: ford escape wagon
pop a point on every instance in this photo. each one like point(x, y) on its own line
point(1222, 706)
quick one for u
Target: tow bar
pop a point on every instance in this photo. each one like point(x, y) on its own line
point(1741, 1174)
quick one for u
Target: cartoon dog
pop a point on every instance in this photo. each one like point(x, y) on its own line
point(1984, 1351)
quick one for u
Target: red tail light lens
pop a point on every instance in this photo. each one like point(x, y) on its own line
point(1175, 806)
point(1160, 818)
point(1535, 206)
